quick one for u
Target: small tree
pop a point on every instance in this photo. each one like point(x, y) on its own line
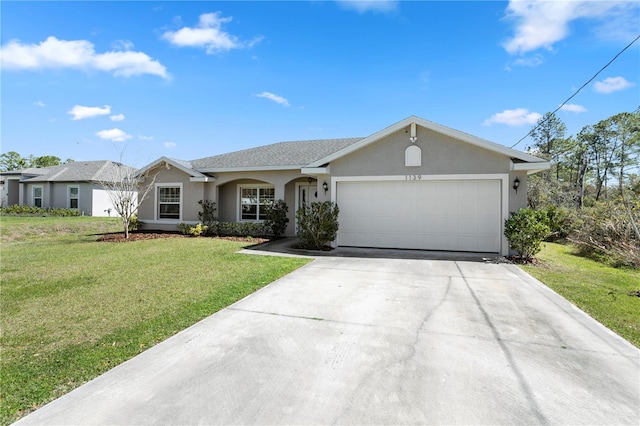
point(317, 224)
point(525, 230)
point(126, 190)
point(277, 219)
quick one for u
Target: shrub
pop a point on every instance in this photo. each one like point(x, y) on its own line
point(277, 219)
point(607, 231)
point(242, 229)
point(17, 210)
point(193, 230)
point(317, 224)
point(560, 221)
point(208, 216)
point(134, 223)
point(525, 230)
point(184, 228)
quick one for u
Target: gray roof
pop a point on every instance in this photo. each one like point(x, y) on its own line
point(79, 171)
point(282, 154)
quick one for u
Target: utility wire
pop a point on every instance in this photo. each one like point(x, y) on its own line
point(577, 91)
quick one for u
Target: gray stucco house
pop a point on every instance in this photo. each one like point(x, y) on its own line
point(72, 185)
point(415, 184)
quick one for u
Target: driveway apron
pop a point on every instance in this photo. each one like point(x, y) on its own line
point(376, 341)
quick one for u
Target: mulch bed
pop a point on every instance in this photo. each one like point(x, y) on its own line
point(141, 236)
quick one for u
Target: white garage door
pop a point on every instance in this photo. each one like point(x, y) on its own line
point(456, 215)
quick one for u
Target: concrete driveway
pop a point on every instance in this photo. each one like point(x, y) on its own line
point(376, 341)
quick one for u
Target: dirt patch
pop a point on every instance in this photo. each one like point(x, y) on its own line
point(141, 236)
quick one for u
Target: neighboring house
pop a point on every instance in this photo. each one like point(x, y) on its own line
point(3, 192)
point(72, 185)
point(415, 185)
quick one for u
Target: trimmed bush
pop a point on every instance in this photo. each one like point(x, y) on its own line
point(317, 224)
point(16, 210)
point(242, 229)
point(525, 230)
point(277, 219)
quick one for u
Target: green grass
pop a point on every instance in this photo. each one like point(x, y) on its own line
point(598, 289)
point(72, 308)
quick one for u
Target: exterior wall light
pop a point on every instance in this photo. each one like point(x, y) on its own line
point(516, 184)
point(325, 186)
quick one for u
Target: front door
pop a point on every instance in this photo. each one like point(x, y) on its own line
point(307, 194)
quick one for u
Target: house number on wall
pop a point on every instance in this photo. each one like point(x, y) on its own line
point(413, 177)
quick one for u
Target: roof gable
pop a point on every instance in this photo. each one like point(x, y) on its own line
point(456, 134)
point(182, 165)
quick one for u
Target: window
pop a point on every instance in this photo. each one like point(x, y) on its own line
point(252, 201)
point(169, 202)
point(37, 196)
point(73, 195)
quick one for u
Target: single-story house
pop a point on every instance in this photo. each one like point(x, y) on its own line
point(77, 185)
point(415, 185)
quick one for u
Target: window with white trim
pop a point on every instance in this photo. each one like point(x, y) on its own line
point(73, 197)
point(253, 200)
point(37, 196)
point(169, 202)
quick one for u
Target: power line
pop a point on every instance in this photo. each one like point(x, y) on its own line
point(577, 91)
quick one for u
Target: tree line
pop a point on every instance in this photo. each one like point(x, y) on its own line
point(599, 163)
point(10, 161)
point(591, 193)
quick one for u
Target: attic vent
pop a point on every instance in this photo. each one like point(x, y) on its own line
point(413, 156)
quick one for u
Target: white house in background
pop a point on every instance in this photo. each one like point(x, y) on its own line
point(415, 184)
point(72, 185)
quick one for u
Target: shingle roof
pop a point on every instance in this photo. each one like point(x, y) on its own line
point(282, 154)
point(81, 171)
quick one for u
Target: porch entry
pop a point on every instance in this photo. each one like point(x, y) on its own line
point(306, 193)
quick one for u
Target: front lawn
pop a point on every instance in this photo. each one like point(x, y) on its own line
point(73, 308)
point(598, 289)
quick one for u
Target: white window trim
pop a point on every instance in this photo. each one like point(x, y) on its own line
point(156, 201)
point(239, 199)
point(504, 196)
point(69, 195)
point(33, 195)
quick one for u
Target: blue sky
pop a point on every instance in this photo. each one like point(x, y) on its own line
point(89, 80)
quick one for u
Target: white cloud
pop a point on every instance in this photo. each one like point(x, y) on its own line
point(362, 6)
point(513, 117)
point(79, 112)
point(540, 23)
point(77, 54)
point(145, 138)
point(122, 45)
point(612, 84)
point(275, 98)
point(532, 61)
point(208, 33)
point(117, 117)
point(39, 103)
point(114, 135)
point(169, 144)
point(573, 108)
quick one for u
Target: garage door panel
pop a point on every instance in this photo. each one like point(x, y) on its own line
point(488, 226)
point(463, 215)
